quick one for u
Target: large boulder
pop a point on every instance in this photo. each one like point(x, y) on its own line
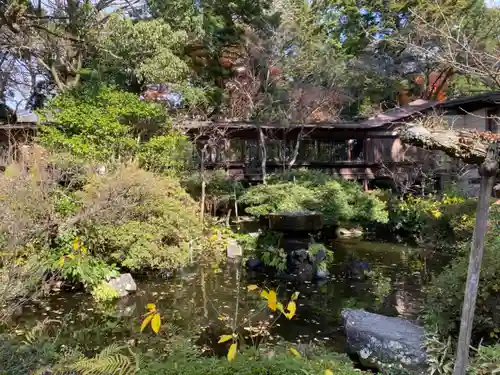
point(383, 342)
point(123, 284)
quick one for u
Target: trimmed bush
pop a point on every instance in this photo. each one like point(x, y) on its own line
point(340, 201)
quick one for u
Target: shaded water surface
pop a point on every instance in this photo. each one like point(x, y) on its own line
point(197, 297)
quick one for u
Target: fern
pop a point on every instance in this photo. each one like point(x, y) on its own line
point(32, 336)
point(110, 361)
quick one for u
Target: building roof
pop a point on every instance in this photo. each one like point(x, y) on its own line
point(27, 119)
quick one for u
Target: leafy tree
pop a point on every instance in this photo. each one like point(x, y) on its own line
point(139, 52)
point(100, 122)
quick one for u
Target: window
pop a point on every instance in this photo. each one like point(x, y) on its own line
point(236, 150)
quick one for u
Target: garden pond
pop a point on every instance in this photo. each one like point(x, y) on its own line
point(198, 297)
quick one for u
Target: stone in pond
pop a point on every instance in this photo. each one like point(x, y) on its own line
point(123, 284)
point(383, 342)
point(234, 251)
point(348, 233)
point(322, 274)
point(253, 263)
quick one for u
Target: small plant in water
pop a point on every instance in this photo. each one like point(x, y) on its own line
point(274, 305)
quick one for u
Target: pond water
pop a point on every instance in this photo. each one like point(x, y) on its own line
point(199, 296)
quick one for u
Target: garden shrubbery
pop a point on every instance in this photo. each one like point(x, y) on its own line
point(340, 201)
point(84, 233)
point(279, 362)
point(439, 222)
point(444, 296)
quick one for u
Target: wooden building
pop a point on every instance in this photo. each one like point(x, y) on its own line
point(368, 150)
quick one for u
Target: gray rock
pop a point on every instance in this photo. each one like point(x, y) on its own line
point(234, 250)
point(123, 284)
point(253, 263)
point(322, 274)
point(383, 342)
point(304, 272)
point(349, 233)
point(320, 256)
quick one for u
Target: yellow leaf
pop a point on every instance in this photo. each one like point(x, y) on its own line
point(61, 262)
point(295, 295)
point(252, 287)
point(264, 294)
point(76, 244)
point(231, 354)
point(71, 256)
point(225, 338)
point(295, 352)
point(272, 300)
point(156, 322)
point(328, 372)
point(146, 321)
point(279, 307)
point(292, 308)
point(151, 307)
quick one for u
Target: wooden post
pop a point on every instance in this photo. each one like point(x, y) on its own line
point(488, 171)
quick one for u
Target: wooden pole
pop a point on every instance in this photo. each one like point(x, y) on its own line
point(488, 171)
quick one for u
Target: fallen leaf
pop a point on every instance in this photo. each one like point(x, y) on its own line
point(252, 287)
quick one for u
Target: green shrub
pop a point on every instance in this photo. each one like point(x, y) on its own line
point(437, 222)
point(277, 362)
point(171, 153)
point(486, 360)
point(84, 233)
point(444, 296)
point(94, 122)
point(220, 190)
point(340, 201)
point(138, 219)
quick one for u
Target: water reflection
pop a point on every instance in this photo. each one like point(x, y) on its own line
point(198, 297)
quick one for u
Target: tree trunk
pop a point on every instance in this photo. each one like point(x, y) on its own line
point(488, 171)
point(263, 154)
point(296, 150)
point(203, 183)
